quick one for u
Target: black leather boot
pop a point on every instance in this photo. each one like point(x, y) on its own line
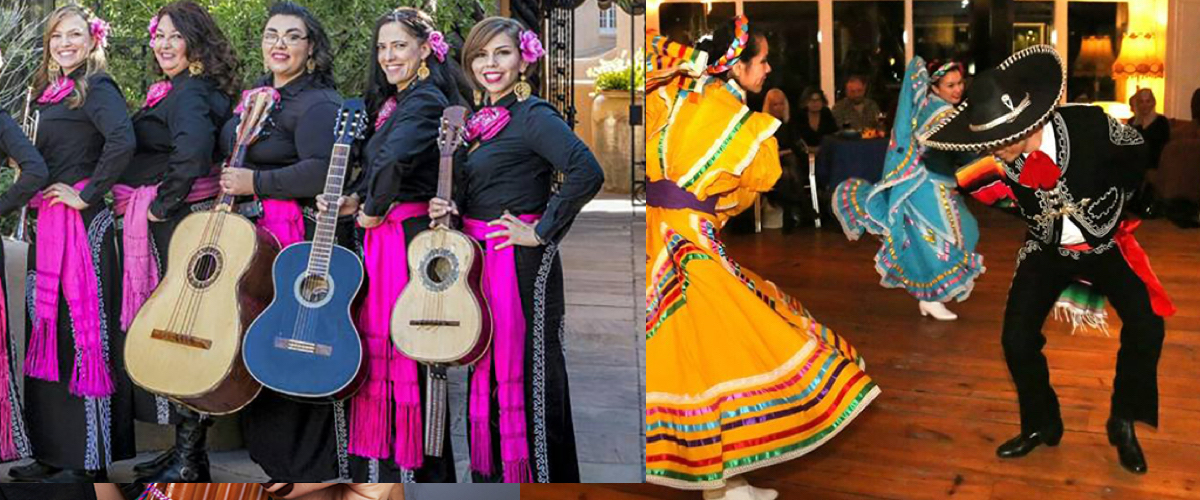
point(189, 462)
point(32, 472)
point(152, 466)
point(1120, 434)
point(1025, 442)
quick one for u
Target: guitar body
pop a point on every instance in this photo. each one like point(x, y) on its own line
point(305, 344)
point(442, 316)
point(186, 340)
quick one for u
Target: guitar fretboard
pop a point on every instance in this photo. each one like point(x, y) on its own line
point(324, 238)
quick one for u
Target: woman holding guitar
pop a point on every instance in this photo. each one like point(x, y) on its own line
point(285, 170)
point(75, 385)
point(517, 145)
point(18, 152)
point(170, 176)
point(409, 83)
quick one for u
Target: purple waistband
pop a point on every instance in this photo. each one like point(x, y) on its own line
point(667, 194)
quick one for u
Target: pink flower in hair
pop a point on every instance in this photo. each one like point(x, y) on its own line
point(99, 30)
point(153, 29)
point(531, 47)
point(437, 42)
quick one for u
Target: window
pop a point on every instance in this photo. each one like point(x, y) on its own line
point(687, 22)
point(1089, 65)
point(608, 21)
point(868, 41)
point(795, 56)
point(942, 31)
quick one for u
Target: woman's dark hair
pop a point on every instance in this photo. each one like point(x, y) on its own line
point(443, 74)
point(717, 44)
point(205, 43)
point(1196, 106)
point(322, 53)
point(811, 91)
point(931, 67)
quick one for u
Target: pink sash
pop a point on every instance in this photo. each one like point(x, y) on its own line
point(8, 442)
point(282, 218)
point(64, 257)
point(141, 272)
point(371, 431)
point(503, 294)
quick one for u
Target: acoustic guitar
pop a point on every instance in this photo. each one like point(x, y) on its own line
point(441, 318)
point(305, 344)
point(185, 342)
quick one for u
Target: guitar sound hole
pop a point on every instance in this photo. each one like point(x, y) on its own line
point(205, 265)
point(439, 270)
point(314, 288)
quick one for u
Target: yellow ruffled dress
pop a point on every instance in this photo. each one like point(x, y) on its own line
point(738, 375)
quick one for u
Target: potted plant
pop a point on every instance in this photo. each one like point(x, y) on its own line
point(614, 143)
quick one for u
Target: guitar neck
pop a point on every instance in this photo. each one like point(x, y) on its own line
point(445, 183)
point(225, 201)
point(324, 236)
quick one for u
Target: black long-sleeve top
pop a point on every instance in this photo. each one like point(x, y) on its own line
point(14, 144)
point(95, 140)
point(176, 141)
point(291, 157)
point(514, 170)
point(1157, 134)
point(401, 158)
point(828, 125)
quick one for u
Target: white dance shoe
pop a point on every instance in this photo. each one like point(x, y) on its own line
point(937, 310)
point(738, 489)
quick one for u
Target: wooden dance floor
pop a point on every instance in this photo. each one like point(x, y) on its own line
point(947, 398)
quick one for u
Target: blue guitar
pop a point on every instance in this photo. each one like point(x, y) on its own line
point(305, 344)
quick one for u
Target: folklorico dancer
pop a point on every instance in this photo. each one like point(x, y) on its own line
point(927, 233)
point(518, 144)
point(171, 176)
point(76, 389)
point(738, 375)
point(1070, 169)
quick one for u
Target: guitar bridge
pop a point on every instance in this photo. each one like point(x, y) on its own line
point(302, 346)
point(432, 322)
point(181, 339)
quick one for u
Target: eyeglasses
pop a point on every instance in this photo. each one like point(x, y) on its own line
point(291, 39)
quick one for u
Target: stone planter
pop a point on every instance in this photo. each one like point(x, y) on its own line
point(611, 138)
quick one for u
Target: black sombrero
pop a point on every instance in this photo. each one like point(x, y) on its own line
point(1004, 103)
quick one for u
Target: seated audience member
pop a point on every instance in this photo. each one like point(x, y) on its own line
point(856, 111)
point(818, 120)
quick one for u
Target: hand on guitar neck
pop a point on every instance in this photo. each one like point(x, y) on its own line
point(439, 208)
point(331, 491)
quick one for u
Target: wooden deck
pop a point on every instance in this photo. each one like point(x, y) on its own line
point(947, 398)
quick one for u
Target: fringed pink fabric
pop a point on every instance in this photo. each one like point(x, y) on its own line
point(391, 378)
point(282, 218)
point(64, 260)
point(503, 294)
point(140, 273)
point(8, 441)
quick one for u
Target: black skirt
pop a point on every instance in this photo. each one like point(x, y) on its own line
point(550, 430)
point(16, 420)
point(71, 432)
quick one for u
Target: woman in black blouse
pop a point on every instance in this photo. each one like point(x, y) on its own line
point(76, 391)
point(817, 121)
point(170, 177)
point(18, 152)
point(408, 87)
point(517, 145)
point(284, 170)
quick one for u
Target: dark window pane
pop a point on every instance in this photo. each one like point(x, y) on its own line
point(791, 29)
point(942, 30)
point(1090, 78)
point(868, 41)
point(685, 22)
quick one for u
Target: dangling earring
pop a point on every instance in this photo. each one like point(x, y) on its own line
point(53, 68)
point(522, 89)
point(311, 65)
point(195, 68)
point(423, 71)
point(478, 98)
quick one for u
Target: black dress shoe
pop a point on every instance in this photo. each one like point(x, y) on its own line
point(1120, 434)
point(35, 471)
point(77, 476)
point(1024, 443)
